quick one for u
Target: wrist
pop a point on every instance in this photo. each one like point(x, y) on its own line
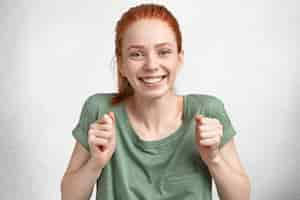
point(215, 160)
point(94, 165)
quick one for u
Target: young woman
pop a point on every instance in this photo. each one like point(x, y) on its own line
point(146, 142)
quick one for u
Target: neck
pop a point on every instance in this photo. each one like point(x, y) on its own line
point(154, 115)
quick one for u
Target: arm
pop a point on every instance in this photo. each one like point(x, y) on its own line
point(231, 180)
point(80, 176)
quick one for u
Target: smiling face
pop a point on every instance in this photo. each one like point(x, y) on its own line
point(150, 59)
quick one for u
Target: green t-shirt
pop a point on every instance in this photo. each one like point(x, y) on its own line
point(165, 169)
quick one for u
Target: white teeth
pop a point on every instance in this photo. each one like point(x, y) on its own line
point(152, 80)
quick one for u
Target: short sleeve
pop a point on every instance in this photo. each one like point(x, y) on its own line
point(216, 109)
point(88, 115)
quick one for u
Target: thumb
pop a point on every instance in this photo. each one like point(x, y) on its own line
point(112, 115)
point(198, 118)
point(102, 119)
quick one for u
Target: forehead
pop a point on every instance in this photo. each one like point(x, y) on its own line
point(148, 32)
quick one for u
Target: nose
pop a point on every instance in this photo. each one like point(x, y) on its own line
point(151, 63)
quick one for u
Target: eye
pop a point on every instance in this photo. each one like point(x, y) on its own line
point(136, 54)
point(165, 52)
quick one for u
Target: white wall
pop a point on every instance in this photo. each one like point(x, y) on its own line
point(53, 54)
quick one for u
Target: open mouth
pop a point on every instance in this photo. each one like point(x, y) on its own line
point(152, 80)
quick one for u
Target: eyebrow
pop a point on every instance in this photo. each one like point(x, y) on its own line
point(141, 46)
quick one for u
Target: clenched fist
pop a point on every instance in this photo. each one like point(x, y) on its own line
point(102, 140)
point(208, 134)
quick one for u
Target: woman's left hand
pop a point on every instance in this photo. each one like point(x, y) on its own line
point(208, 134)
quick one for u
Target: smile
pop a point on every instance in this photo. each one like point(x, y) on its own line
point(152, 80)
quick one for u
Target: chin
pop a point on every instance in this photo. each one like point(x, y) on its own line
point(154, 94)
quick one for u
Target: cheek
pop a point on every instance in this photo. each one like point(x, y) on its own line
point(172, 63)
point(131, 68)
point(173, 69)
point(135, 64)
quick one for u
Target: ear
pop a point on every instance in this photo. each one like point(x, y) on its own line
point(181, 58)
point(121, 70)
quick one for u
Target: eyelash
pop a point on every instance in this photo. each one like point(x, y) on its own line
point(165, 52)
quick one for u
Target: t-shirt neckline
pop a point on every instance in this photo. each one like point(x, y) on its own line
point(155, 144)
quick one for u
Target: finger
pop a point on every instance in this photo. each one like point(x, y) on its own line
point(112, 115)
point(104, 127)
point(100, 121)
point(209, 134)
point(102, 134)
point(96, 125)
point(104, 131)
point(206, 120)
point(198, 118)
point(107, 119)
point(103, 119)
point(99, 141)
point(216, 132)
point(93, 143)
point(210, 127)
point(210, 141)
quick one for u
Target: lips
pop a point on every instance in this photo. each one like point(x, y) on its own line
point(149, 77)
point(152, 79)
point(157, 76)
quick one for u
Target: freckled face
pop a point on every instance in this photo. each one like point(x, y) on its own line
point(150, 60)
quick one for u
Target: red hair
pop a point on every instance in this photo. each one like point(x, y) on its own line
point(142, 11)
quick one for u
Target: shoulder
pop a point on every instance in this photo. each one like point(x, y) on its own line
point(206, 100)
point(209, 105)
point(96, 98)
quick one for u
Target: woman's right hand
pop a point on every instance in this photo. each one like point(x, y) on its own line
point(101, 139)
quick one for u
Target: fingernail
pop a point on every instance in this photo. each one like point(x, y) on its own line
point(112, 115)
point(108, 118)
point(198, 116)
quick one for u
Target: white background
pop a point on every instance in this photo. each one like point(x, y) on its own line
point(54, 54)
